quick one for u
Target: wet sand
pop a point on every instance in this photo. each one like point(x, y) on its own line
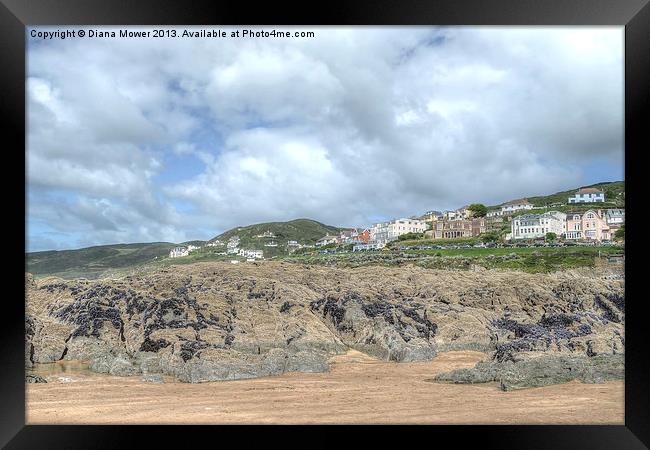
point(358, 389)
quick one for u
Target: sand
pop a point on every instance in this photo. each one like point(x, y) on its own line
point(357, 390)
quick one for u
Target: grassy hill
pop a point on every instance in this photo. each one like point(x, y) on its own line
point(614, 195)
point(94, 261)
point(304, 231)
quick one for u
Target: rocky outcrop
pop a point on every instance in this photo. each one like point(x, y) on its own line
point(215, 321)
point(540, 371)
point(34, 379)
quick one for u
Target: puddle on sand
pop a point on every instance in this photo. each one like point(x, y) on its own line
point(60, 367)
point(65, 369)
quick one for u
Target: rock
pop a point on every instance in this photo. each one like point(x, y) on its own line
point(121, 366)
point(216, 321)
point(34, 379)
point(540, 371)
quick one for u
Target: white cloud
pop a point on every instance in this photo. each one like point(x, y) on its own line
point(350, 126)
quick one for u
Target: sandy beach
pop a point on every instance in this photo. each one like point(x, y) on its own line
point(357, 390)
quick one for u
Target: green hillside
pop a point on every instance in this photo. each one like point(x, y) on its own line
point(614, 195)
point(94, 261)
point(304, 231)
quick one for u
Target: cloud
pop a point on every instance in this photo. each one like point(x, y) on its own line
point(355, 125)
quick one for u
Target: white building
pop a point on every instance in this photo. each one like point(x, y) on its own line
point(458, 214)
point(292, 244)
point(389, 231)
point(531, 226)
point(494, 213)
point(232, 245)
point(178, 252)
point(191, 248)
point(271, 244)
point(615, 216)
point(516, 205)
point(587, 195)
point(327, 239)
point(250, 253)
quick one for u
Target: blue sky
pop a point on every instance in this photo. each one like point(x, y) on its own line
point(139, 140)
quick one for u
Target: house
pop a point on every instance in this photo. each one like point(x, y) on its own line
point(271, 244)
point(587, 225)
point(178, 252)
point(362, 235)
point(266, 234)
point(494, 213)
point(346, 234)
point(431, 216)
point(292, 244)
point(532, 226)
point(191, 248)
point(384, 232)
point(588, 195)
point(232, 245)
point(615, 217)
point(450, 215)
point(459, 228)
point(355, 236)
point(516, 205)
point(459, 214)
point(246, 253)
point(327, 239)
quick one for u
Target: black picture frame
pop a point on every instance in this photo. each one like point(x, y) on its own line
point(634, 15)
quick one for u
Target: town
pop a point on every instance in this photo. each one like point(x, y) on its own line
point(513, 221)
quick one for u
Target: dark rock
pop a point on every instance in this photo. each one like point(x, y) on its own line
point(34, 379)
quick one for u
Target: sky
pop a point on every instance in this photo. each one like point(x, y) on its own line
point(163, 139)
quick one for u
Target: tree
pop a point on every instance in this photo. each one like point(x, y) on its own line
point(478, 209)
point(550, 237)
point(620, 233)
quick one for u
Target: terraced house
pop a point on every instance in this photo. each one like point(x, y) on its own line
point(516, 205)
point(587, 195)
point(178, 252)
point(383, 232)
point(532, 226)
point(587, 225)
point(451, 229)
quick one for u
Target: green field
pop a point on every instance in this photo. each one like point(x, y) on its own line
point(534, 260)
point(614, 194)
point(93, 261)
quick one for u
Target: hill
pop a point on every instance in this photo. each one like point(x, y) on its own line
point(91, 262)
point(304, 231)
point(614, 195)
